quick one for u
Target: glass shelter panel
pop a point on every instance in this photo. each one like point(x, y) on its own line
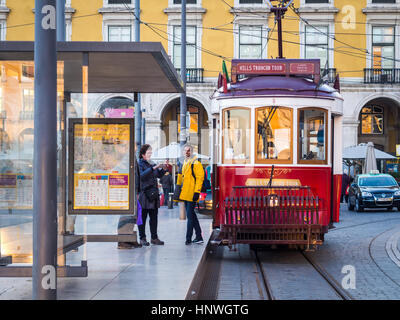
point(16, 156)
point(274, 135)
point(312, 136)
point(236, 135)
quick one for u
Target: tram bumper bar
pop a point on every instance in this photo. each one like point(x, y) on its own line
point(272, 215)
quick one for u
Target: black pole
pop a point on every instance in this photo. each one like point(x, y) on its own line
point(183, 106)
point(44, 275)
point(279, 13)
point(60, 20)
point(139, 121)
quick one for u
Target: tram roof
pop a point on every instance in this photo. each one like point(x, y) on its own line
point(277, 86)
point(114, 67)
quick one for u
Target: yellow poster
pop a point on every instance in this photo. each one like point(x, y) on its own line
point(101, 166)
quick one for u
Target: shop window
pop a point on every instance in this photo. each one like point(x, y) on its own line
point(190, 47)
point(372, 120)
point(312, 136)
point(316, 39)
point(274, 135)
point(383, 47)
point(250, 42)
point(236, 135)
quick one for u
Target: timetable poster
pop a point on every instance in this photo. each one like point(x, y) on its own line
point(101, 166)
point(16, 191)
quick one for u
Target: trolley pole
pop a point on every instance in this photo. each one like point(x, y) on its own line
point(138, 111)
point(183, 107)
point(44, 275)
point(279, 13)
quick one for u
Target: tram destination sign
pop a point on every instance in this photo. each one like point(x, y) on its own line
point(284, 67)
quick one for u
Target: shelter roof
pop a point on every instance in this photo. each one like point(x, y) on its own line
point(114, 67)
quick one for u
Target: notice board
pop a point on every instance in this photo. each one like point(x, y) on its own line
point(101, 166)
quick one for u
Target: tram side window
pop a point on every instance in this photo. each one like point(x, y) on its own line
point(236, 136)
point(312, 135)
point(274, 134)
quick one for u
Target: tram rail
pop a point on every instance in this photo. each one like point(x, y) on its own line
point(207, 285)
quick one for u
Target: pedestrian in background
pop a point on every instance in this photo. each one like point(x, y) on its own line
point(149, 197)
point(345, 184)
point(167, 185)
point(191, 181)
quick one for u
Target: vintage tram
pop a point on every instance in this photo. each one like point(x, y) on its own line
point(277, 154)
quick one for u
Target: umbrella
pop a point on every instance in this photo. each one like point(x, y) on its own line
point(370, 159)
point(173, 151)
point(359, 153)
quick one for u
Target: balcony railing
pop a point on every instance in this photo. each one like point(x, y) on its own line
point(193, 75)
point(331, 76)
point(381, 75)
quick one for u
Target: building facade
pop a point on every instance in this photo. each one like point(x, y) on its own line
point(359, 40)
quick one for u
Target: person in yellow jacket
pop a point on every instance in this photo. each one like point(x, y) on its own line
point(191, 180)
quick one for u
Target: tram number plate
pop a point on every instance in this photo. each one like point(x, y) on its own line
point(384, 199)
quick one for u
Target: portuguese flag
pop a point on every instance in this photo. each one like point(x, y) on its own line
point(225, 76)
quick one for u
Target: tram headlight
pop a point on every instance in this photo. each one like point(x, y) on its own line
point(366, 194)
point(397, 193)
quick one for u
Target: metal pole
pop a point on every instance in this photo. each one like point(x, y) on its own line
point(44, 275)
point(138, 111)
point(183, 107)
point(60, 20)
point(143, 123)
point(279, 13)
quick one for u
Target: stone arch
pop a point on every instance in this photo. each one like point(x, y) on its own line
point(169, 118)
point(371, 97)
point(166, 103)
point(106, 97)
point(382, 108)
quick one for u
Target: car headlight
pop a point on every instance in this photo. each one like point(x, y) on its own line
point(366, 194)
point(397, 193)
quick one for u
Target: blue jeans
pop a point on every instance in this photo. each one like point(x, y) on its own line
point(192, 221)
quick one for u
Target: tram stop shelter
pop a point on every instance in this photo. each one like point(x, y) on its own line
point(85, 72)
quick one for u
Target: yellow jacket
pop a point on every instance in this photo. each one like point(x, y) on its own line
point(189, 185)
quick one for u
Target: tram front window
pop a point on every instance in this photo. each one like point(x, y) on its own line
point(236, 135)
point(312, 136)
point(274, 135)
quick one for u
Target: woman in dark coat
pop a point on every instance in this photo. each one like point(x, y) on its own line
point(149, 202)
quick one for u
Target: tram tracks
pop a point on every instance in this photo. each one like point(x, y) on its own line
point(301, 286)
point(271, 274)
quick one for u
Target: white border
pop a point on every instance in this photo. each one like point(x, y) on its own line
point(248, 22)
point(172, 5)
point(194, 19)
point(331, 42)
point(390, 21)
point(107, 5)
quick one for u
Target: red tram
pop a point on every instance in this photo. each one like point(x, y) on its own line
point(277, 154)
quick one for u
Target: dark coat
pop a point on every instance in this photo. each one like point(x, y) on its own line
point(137, 177)
point(166, 181)
point(345, 183)
point(148, 178)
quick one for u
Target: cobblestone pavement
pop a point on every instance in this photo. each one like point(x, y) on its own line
point(368, 241)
